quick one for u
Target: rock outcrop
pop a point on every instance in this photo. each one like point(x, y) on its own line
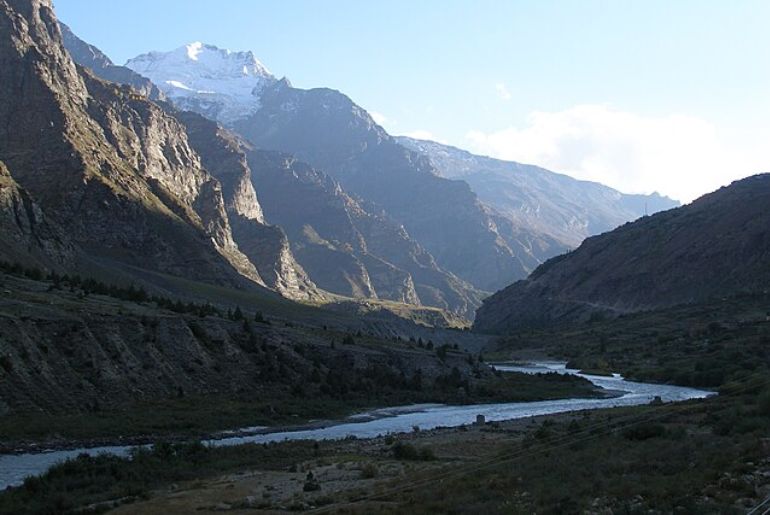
point(223, 154)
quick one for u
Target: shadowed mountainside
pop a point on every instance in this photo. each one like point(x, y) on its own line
point(718, 245)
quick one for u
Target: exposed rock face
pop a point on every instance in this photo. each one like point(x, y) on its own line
point(115, 170)
point(221, 154)
point(346, 248)
point(324, 128)
point(26, 236)
point(224, 155)
point(716, 246)
point(540, 202)
point(93, 58)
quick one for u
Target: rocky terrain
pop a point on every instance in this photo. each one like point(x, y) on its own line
point(346, 248)
point(716, 246)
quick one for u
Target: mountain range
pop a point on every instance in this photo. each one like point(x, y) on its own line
point(477, 244)
point(198, 163)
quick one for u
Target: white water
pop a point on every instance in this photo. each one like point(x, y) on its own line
point(15, 467)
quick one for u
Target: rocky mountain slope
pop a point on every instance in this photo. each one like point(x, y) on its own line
point(26, 236)
point(327, 130)
point(119, 174)
point(544, 202)
point(347, 249)
point(716, 246)
point(328, 229)
point(224, 155)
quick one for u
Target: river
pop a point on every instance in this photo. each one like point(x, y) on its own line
point(15, 467)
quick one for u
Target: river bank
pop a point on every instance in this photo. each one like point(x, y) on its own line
point(15, 467)
point(678, 451)
point(274, 410)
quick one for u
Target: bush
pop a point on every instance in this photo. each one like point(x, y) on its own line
point(369, 471)
point(407, 451)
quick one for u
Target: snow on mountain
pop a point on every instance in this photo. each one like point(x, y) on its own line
point(214, 82)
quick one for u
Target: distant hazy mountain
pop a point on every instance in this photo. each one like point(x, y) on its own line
point(716, 246)
point(548, 203)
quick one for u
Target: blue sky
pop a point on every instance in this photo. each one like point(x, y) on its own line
point(672, 96)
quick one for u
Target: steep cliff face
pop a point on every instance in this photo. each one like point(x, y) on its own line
point(716, 246)
point(116, 171)
point(224, 155)
point(221, 154)
point(26, 236)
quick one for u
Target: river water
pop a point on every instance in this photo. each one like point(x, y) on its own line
point(15, 467)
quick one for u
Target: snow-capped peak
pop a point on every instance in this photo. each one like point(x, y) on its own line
point(193, 49)
point(215, 82)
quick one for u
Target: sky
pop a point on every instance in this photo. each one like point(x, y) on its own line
point(644, 95)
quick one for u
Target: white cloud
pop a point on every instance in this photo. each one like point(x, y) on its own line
point(678, 155)
point(378, 118)
point(423, 134)
point(502, 91)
